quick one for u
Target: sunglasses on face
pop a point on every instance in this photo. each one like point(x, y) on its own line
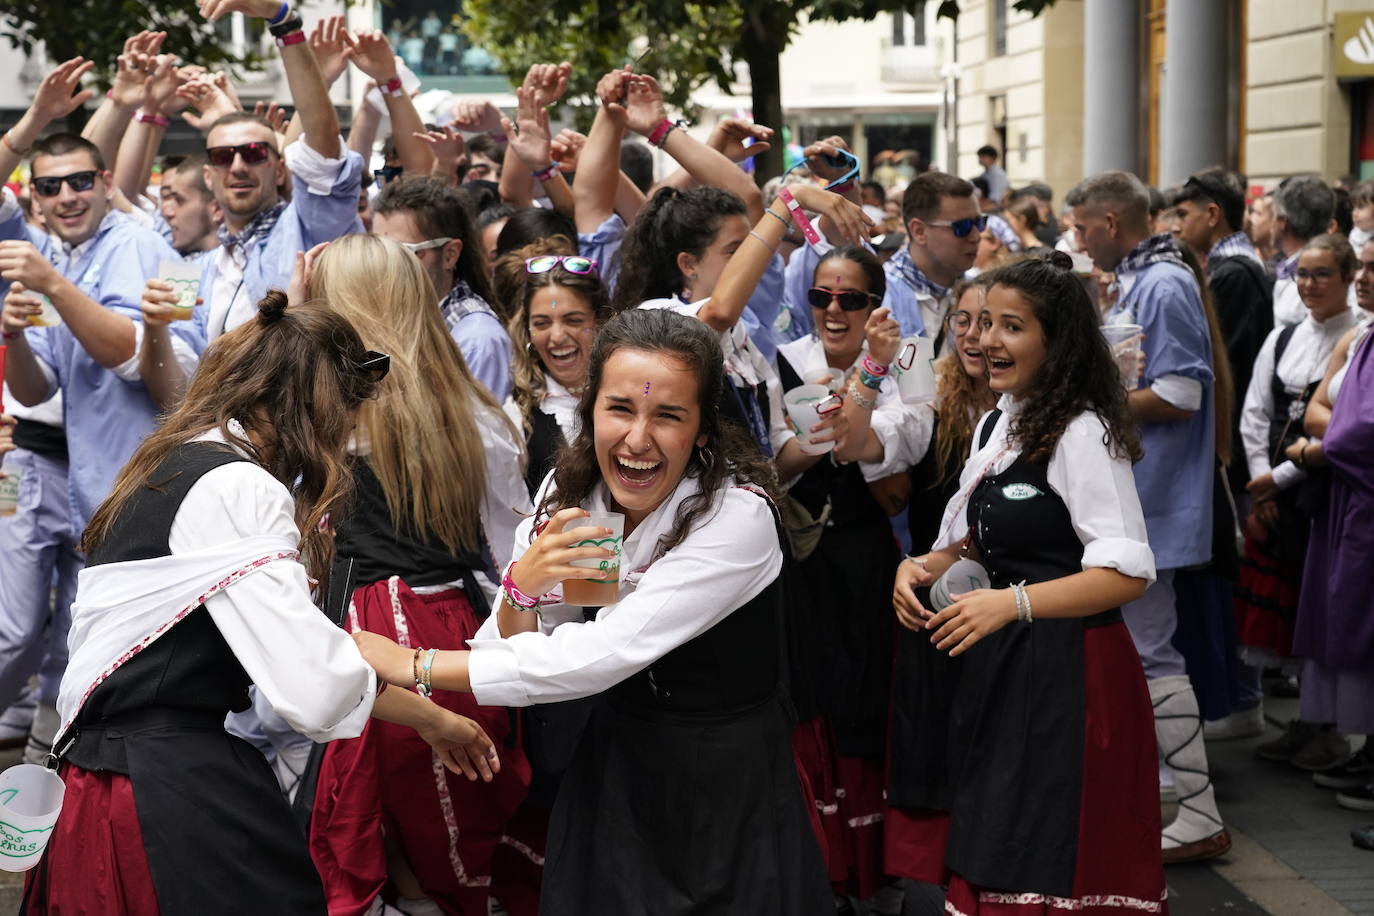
point(573, 264)
point(256, 153)
point(375, 364)
point(51, 186)
point(960, 227)
point(426, 245)
point(851, 300)
point(389, 173)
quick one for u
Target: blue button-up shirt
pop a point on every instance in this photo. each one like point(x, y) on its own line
point(1175, 476)
point(107, 413)
point(324, 206)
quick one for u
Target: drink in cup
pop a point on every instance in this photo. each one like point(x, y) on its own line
point(49, 317)
point(603, 587)
point(914, 370)
point(184, 278)
point(1124, 341)
point(806, 406)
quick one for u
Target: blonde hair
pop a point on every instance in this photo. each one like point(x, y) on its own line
point(424, 444)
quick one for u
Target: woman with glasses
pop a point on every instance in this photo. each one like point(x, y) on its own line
point(438, 497)
point(196, 588)
point(559, 303)
point(847, 564)
point(1288, 370)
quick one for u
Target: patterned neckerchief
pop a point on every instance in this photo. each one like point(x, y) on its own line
point(461, 302)
point(1235, 245)
point(921, 284)
point(1287, 267)
point(1155, 249)
point(257, 230)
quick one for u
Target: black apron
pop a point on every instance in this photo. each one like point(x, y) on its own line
point(218, 834)
point(545, 439)
point(1017, 721)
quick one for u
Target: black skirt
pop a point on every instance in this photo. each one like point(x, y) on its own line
point(665, 815)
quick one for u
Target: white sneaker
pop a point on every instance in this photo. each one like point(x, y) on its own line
point(1242, 723)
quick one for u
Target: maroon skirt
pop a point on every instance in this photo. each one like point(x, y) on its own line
point(1118, 869)
point(97, 850)
point(1267, 591)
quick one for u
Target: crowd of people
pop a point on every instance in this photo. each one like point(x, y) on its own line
point(463, 518)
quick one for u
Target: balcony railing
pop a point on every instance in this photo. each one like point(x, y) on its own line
point(907, 65)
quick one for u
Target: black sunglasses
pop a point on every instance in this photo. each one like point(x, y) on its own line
point(389, 173)
point(851, 300)
point(255, 153)
point(377, 364)
point(51, 187)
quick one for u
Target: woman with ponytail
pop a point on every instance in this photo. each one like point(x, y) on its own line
point(1054, 800)
point(194, 590)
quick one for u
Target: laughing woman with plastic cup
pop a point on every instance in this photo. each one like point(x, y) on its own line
point(1054, 800)
point(682, 796)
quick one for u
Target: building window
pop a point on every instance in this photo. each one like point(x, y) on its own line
point(999, 27)
point(918, 27)
point(898, 29)
point(428, 36)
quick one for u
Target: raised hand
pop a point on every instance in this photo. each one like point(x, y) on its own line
point(815, 158)
point(548, 561)
point(477, 117)
point(847, 218)
point(273, 114)
point(644, 108)
point(884, 336)
point(371, 53)
point(528, 135)
point(22, 263)
point(54, 98)
point(162, 87)
point(328, 43)
point(547, 83)
point(208, 99)
point(610, 89)
point(447, 145)
point(134, 68)
point(729, 136)
point(566, 149)
point(215, 10)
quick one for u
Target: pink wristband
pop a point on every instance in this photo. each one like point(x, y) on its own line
point(291, 38)
point(516, 596)
point(873, 368)
point(799, 216)
point(146, 118)
point(660, 132)
point(392, 86)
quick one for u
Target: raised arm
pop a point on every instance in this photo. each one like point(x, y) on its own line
point(371, 53)
point(528, 137)
point(130, 89)
point(133, 169)
point(598, 172)
point(56, 97)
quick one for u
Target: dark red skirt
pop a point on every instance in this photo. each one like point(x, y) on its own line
point(847, 798)
point(95, 863)
point(388, 782)
point(1267, 592)
point(1118, 870)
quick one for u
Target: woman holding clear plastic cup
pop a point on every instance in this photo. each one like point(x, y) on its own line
point(848, 562)
point(683, 788)
point(1051, 729)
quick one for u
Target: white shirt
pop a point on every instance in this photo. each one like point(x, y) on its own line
point(721, 565)
point(1304, 361)
point(902, 429)
point(1098, 489)
point(506, 502)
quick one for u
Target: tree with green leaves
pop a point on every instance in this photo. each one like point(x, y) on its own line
point(689, 41)
point(96, 30)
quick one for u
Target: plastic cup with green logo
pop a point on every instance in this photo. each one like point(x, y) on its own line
point(603, 587)
point(30, 800)
point(50, 317)
point(184, 278)
point(914, 369)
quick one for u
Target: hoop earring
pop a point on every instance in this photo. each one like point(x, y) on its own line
point(705, 456)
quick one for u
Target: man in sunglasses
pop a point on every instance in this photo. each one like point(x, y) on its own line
point(261, 233)
point(432, 219)
point(1174, 404)
point(943, 225)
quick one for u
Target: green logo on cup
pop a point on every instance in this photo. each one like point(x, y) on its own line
point(17, 843)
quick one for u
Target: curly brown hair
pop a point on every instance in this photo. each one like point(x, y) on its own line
point(729, 452)
point(1078, 373)
point(960, 399)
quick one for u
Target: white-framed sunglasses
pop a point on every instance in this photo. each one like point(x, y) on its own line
point(417, 247)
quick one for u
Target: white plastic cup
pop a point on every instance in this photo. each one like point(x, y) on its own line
point(1124, 341)
point(964, 576)
point(184, 278)
point(30, 801)
point(50, 317)
point(9, 489)
point(806, 406)
point(830, 378)
point(603, 586)
point(914, 370)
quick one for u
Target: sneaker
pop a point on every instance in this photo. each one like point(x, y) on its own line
point(1363, 837)
point(1241, 723)
point(1355, 772)
point(1286, 746)
point(1327, 749)
point(1361, 799)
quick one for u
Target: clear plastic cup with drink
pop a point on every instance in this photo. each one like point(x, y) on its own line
point(1124, 340)
point(603, 585)
point(49, 317)
point(806, 406)
point(184, 278)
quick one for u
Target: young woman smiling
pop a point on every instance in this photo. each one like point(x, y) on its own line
point(847, 578)
point(1051, 705)
point(683, 788)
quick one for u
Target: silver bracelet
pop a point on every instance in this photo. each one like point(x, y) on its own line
point(782, 219)
point(771, 246)
point(1023, 605)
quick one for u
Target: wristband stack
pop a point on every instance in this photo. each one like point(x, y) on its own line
point(659, 135)
point(546, 172)
point(872, 373)
point(423, 671)
point(286, 27)
point(511, 594)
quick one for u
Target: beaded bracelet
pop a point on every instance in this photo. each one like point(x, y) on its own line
point(864, 402)
point(424, 685)
point(546, 172)
point(872, 367)
point(872, 381)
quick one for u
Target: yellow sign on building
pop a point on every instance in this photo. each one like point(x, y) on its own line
point(1353, 53)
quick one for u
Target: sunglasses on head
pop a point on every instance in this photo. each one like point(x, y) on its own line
point(52, 186)
point(960, 227)
point(851, 300)
point(572, 263)
point(255, 153)
point(389, 173)
point(375, 364)
point(426, 245)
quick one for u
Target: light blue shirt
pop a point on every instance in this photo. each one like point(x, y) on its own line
point(486, 348)
point(107, 412)
point(324, 206)
point(761, 311)
point(603, 247)
point(1174, 478)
